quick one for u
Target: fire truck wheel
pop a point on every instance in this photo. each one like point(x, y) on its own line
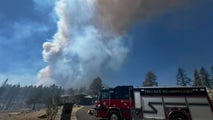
point(178, 116)
point(114, 115)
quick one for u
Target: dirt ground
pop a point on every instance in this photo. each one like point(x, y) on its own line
point(32, 115)
point(22, 115)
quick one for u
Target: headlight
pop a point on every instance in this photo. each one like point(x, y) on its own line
point(98, 105)
point(91, 111)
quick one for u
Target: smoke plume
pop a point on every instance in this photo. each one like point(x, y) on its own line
point(118, 15)
point(91, 38)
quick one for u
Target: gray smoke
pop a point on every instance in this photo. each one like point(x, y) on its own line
point(91, 38)
point(119, 15)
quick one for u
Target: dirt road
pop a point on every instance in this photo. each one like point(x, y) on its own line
point(82, 114)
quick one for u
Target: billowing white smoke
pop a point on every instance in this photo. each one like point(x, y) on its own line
point(80, 50)
point(90, 37)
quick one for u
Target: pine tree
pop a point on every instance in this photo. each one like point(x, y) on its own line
point(204, 76)
point(95, 86)
point(211, 79)
point(197, 80)
point(182, 78)
point(150, 79)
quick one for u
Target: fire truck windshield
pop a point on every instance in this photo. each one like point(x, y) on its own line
point(104, 94)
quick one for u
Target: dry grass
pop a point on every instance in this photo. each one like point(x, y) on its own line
point(22, 115)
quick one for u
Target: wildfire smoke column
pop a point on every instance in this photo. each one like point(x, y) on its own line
point(92, 37)
point(119, 15)
point(80, 50)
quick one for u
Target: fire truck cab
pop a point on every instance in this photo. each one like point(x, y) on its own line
point(154, 103)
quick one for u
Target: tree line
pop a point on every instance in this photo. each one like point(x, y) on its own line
point(14, 97)
point(201, 78)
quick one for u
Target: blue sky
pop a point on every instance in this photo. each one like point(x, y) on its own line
point(181, 38)
point(23, 29)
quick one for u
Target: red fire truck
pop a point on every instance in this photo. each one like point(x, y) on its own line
point(154, 103)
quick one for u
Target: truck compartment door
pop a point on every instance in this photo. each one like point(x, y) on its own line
point(137, 112)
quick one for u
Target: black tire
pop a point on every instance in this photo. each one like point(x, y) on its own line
point(114, 115)
point(178, 116)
